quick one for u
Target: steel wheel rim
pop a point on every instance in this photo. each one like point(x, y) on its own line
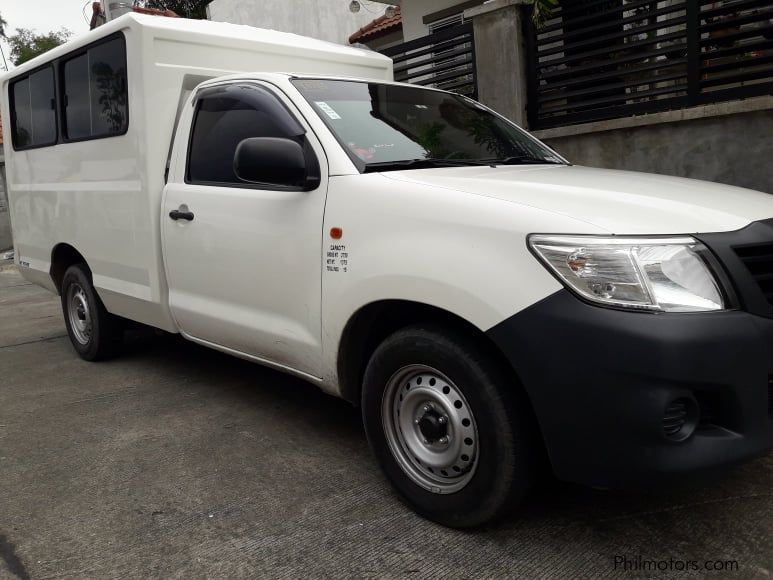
point(79, 313)
point(430, 429)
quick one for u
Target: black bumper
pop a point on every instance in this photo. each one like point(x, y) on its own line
point(600, 381)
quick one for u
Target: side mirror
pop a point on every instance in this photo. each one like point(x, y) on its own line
point(271, 161)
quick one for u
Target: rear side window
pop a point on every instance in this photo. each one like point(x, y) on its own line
point(95, 92)
point(33, 110)
point(226, 117)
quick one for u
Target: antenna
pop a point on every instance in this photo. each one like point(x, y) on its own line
point(5, 62)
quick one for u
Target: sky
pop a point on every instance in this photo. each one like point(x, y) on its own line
point(44, 16)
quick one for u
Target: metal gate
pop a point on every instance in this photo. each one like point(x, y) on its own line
point(603, 59)
point(445, 60)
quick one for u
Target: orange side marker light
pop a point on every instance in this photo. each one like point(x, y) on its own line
point(336, 233)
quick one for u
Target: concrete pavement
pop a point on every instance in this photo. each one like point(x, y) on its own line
point(177, 461)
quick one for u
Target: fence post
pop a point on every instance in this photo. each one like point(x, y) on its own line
point(693, 51)
point(532, 82)
point(500, 61)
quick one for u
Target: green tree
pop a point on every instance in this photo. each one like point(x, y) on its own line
point(542, 10)
point(185, 8)
point(26, 45)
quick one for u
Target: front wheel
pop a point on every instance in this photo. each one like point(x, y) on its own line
point(448, 426)
point(94, 332)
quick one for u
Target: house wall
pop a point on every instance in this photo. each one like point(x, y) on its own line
point(728, 143)
point(413, 12)
point(387, 41)
point(321, 19)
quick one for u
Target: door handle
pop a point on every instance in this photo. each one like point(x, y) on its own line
point(177, 214)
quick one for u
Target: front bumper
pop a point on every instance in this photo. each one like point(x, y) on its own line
point(600, 381)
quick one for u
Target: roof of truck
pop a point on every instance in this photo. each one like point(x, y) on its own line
point(206, 30)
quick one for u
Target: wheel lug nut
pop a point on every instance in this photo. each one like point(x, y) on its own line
point(416, 421)
point(442, 420)
point(425, 408)
point(443, 440)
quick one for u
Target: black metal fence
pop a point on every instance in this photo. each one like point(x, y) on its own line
point(445, 60)
point(603, 59)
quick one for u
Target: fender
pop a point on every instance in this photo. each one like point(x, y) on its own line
point(426, 244)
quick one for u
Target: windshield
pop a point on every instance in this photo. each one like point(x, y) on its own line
point(385, 127)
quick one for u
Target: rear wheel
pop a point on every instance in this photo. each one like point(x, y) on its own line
point(94, 332)
point(448, 426)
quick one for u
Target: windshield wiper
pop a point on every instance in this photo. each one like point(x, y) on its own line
point(524, 160)
point(421, 164)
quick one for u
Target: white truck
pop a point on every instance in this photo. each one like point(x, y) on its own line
point(491, 307)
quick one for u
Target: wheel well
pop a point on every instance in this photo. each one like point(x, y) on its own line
point(62, 257)
point(375, 322)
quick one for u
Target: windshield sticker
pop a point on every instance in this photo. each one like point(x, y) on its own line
point(364, 153)
point(328, 110)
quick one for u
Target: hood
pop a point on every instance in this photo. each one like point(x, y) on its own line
point(620, 202)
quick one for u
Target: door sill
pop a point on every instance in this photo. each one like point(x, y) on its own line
point(256, 359)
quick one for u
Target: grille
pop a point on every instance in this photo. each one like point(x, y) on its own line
point(675, 417)
point(758, 259)
point(770, 396)
point(707, 405)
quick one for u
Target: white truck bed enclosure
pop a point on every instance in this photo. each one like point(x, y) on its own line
point(88, 171)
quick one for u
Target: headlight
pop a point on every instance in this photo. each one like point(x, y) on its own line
point(656, 274)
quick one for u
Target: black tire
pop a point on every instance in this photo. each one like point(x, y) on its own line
point(508, 450)
point(104, 335)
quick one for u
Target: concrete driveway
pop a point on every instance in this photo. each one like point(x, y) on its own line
point(177, 461)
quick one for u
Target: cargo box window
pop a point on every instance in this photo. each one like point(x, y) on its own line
point(95, 92)
point(33, 110)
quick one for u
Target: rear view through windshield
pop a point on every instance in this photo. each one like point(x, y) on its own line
point(387, 126)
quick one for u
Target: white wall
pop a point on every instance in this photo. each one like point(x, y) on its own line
point(323, 19)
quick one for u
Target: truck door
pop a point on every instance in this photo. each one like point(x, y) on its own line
point(244, 259)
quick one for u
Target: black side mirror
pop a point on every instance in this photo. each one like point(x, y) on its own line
point(272, 161)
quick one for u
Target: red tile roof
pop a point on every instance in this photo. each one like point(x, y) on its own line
point(154, 12)
point(381, 26)
point(98, 18)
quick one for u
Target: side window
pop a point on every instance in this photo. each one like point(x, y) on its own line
point(95, 92)
point(224, 117)
point(33, 110)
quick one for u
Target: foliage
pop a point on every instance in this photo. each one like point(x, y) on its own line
point(26, 45)
point(185, 8)
point(542, 9)
point(111, 88)
point(3, 24)
point(430, 139)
